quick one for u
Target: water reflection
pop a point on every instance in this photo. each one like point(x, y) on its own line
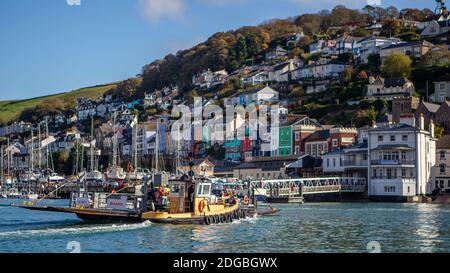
point(334, 227)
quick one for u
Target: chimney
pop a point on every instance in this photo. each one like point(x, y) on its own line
point(374, 124)
point(431, 128)
point(421, 122)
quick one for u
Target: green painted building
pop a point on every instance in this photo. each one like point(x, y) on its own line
point(285, 141)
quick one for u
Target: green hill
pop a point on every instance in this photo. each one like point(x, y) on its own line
point(11, 110)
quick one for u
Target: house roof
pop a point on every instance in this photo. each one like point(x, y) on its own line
point(280, 66)
point(291, 120)
point(335, 152)
point(304, 161)
point(395, 82)
point(197, 162)
point(319, 135)
point(394, 127)
point(432, 107)
point(443, 142)
point(444, 78)
point(405, 44)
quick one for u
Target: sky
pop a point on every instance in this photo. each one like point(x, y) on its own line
point(53, 46)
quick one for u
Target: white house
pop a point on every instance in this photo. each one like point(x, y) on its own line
point(320, 71)
point(208, 79)
point(256, 78)
point(348, 162)
point(388, 89)
point(281, 71)
point(401, 158)
point(277, 53)
point(372, 45)
point(441, 90)
point(261, 96)
point(346, 44)
point(294, 39)
point(441, 171)
point(86, 108)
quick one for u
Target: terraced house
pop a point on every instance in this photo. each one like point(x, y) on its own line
point(441, 172)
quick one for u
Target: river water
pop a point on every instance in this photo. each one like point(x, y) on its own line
point(311, 227)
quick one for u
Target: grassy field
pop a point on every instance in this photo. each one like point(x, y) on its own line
point(10, 110)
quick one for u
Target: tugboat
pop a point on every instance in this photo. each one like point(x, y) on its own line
point(191, 202)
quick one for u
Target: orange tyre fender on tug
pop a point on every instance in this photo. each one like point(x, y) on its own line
point(201, 206)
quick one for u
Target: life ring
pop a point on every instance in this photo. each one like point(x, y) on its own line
point(246, 200)
point(202, 206)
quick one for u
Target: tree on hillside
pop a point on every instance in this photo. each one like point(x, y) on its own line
point(391, 28)
point(397, 65)
point(125, 89)
point(310, 23)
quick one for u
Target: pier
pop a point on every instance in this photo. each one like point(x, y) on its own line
point(295, 190)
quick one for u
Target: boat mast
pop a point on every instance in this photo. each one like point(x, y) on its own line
point(114, 163)
point(30, 173)
point(49, 152)
point(177, 160)
point(8, 158)
point(76, 170)
point(92, 145)
point(157, 146)
point(39, 147)
point(32, 151)
point(135, 145)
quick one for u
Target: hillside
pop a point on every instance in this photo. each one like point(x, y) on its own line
point(11, 110)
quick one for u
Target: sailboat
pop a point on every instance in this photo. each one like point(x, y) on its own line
point(115, 172)
point(49, 175)
point(93, 176)
point(136, 174)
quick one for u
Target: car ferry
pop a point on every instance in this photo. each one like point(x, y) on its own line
point(186, 201)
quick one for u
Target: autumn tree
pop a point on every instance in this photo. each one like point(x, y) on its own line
point(397, 65)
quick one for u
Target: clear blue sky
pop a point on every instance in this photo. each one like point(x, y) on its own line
point(48, 46)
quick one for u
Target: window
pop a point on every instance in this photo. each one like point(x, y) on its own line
point(334, 162)
point(405, 138)
point(328, 162)
point(389, 173)
point(389, 189)
point(403, 173)
point(442, 168)
point(442, 86)
point(392, 137)
point(335, 142)
point(442, 154)
point(297, 136)
point(380, 138)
